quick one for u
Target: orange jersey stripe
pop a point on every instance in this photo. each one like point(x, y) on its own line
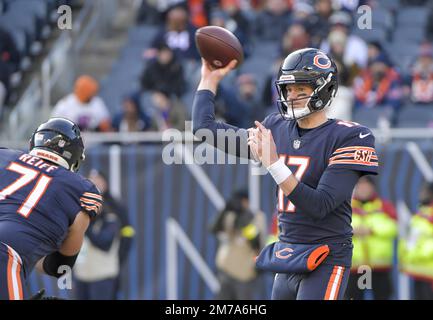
point(340, 278)
point(91, 201)
point(350, 155)
point(9, 275)
point(372, 164)
point(92, 195)
point(330, 283)
point(334, 283)
point(90, 208)
point(343, 155)
point(354, 148)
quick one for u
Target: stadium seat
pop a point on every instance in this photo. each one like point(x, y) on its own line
point(381, 18)
point(403, 54)
point(37, 9)
point(369, 117)
point(21, 37)
point(24, 22)
point(141, 35)
point(411, 16)
point(389, 4)
point(415, 116)
point(379, 34)
point(405, 34)
point(263, 49)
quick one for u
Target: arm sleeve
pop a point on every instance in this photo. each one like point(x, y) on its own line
point(91, 200)
point(228, 138)
point(335, 186)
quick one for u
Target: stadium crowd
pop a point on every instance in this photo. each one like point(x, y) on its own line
point(386, 72)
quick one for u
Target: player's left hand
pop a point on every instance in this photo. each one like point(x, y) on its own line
point(263, 145)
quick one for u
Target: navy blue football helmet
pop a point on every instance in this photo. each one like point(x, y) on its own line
point(59, 140)
point(312, 67)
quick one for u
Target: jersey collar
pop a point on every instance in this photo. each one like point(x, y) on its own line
point(294, 133)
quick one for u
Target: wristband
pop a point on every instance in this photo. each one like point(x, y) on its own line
point(279, 171)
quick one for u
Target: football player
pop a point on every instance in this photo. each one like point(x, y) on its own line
point(315, 162)
point(45, 206)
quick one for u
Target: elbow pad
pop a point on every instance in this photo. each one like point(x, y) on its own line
point(53, 261)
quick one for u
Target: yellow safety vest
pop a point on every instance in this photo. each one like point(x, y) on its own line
point(416, 252)
point(376, 249)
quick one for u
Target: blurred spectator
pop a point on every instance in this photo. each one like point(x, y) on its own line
point(318, 23)
point(132, 117)
point(127, 232)
point(374, 50)
point(153, 11)
point(84, 107)
point(342, 104)
point(97, 268)
point(302, 11)
point(422, 77)
point(178, 34)
point(429, 26)
point(349, 6)
point(374, 222)
point(379, 84)
point(270, 93)
point(413, 2)
point(168, 112)
point(2, 96)
point(8, 51)
point(272, 22)
point(199, 12)
point(248, 93)
point(233, 9)
point(221, 19)
point(416, 249)
point(241, 105)
point(355, 49)
point(9, 61)
point(164, 73)
point(241, 234)
point(296, 37)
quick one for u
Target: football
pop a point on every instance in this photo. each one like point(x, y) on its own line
point(218, 46)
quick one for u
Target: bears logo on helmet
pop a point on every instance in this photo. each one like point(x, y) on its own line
point(312, 67)
point(316, 61)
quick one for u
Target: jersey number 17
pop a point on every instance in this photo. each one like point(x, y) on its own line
point(302, 164)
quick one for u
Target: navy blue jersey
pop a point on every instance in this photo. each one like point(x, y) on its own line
point(327, 160)
point(333, 145)
point(38, 203)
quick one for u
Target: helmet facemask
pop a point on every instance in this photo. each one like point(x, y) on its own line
point(313, 104)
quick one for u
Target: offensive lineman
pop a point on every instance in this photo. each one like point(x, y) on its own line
point(45, 206)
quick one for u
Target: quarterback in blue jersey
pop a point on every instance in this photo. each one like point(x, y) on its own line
point(315, 162)
point(45, 206)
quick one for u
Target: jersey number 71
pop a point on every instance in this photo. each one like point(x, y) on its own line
point(27, 175)
point(302, 163)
